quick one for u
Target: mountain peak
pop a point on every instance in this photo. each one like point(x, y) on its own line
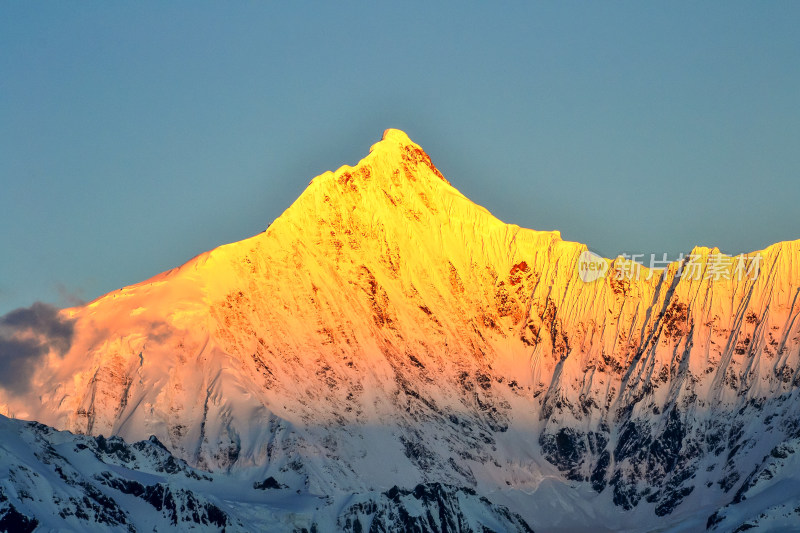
point(394, 162)
point(385, 327)
point(393, 138)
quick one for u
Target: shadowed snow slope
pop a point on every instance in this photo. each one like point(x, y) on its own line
point(386, 331)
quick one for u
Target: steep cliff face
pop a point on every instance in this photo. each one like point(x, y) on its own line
point(385, 331)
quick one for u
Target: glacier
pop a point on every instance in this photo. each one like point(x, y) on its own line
point(387, 344)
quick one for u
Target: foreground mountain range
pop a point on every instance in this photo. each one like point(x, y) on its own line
point(388, 356)
point(57, 480)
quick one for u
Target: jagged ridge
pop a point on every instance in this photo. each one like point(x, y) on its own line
point(387, 331)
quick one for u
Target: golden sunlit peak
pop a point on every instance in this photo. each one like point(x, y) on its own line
point(395, 134)
point(393, 138)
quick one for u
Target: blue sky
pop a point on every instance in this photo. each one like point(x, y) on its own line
point(135, 136)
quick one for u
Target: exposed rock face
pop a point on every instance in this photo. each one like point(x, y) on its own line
point(386, 331)
point(428, 508)
point(59, 481)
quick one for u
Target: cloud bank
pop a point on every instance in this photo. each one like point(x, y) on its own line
point(27, 335)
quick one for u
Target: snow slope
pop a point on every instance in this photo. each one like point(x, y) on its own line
point(386, 332)
point(57, 481)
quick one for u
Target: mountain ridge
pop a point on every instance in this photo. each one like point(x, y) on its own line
point(392, 144)
point(386, 331)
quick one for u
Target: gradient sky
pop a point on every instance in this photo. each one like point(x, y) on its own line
point(134, 136)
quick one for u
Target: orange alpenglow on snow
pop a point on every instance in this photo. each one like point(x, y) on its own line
point(385, 301)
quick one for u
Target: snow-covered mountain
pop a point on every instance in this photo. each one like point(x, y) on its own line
point(387, 342)
point(59, 481)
